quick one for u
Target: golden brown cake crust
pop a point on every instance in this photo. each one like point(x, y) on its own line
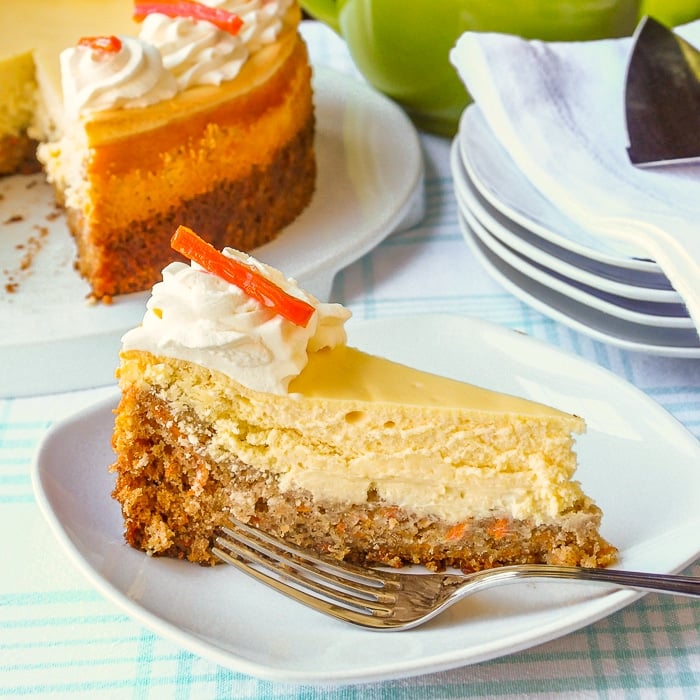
point(173, 499)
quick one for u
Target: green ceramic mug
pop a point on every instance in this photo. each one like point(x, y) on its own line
point(402, 46)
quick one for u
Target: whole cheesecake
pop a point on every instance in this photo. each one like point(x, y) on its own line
point(221, 137)
point(229, 408)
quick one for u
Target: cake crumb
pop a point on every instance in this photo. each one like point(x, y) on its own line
point(92, 299)
point(32, 246)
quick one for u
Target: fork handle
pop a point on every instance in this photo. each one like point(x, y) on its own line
point(661, 583)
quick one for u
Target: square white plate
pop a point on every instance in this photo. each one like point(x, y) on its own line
point(636, 461)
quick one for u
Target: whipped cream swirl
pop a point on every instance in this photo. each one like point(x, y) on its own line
point(198, 53)
point(170, 55)
point(262, 19)
point(134, 76)
point(196, 316)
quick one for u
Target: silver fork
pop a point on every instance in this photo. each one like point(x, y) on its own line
point(387, 600)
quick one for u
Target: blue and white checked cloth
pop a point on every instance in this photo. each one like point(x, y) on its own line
point(60, 639)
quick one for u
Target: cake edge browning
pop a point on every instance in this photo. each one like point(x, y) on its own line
point(174, 498)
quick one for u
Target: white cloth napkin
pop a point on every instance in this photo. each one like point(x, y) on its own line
point(558, 109)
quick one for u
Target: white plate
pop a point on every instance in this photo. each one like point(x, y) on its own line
point(640, 311)
point(370, 182)
point(636, 461)
point(630, 312)
point(504, 186)
point(617, 308)
point(653, 340)
point(603, 278)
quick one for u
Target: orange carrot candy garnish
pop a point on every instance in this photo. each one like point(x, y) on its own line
point(223, 19)
point(106, 44)
point(247, 278)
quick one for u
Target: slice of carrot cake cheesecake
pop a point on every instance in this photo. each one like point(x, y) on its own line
point(239, 395)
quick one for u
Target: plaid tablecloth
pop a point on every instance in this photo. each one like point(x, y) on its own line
point(60, 638)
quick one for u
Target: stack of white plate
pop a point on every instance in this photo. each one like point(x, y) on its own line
point(595, 286)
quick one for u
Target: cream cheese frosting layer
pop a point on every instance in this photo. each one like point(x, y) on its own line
point(42, 29)
point(196, 316)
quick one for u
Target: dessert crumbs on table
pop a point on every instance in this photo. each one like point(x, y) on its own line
point(33, 246)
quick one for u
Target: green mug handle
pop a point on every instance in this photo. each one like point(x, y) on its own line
point(324, 10)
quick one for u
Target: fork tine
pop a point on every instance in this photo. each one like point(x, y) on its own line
point(346, 614)
point(272, 564)
point(283, 580)
point(353, 572)
point(307, 576)
point(278, 554)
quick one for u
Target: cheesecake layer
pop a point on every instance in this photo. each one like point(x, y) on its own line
point(437, 447)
